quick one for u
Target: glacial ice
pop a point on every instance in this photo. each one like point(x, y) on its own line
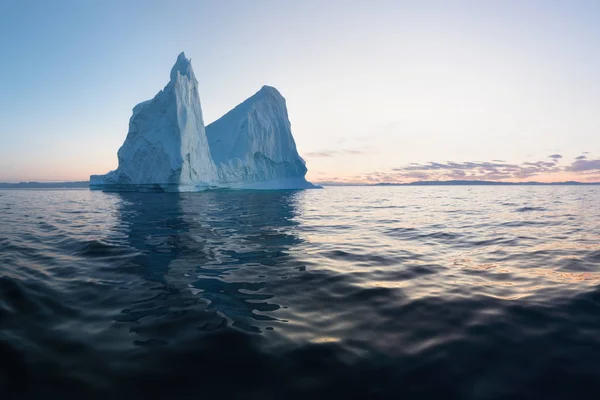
point(168, 148)
point(253, 147)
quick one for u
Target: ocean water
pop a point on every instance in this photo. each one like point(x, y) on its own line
point(348, 292)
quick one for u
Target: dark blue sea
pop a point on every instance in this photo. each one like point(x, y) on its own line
point(347, 292)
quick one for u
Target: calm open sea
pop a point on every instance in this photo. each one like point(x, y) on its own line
point(348, 292)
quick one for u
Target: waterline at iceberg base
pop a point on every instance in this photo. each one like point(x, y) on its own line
point(168, 148)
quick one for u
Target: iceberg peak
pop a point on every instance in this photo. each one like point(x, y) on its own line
point(269, 89)
point(253, 147)
point(183, 66)
point(270, 94)
point(166, 146)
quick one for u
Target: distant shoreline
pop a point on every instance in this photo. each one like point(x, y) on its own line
point(464, 183)
point(45, 185)
point(86, 184)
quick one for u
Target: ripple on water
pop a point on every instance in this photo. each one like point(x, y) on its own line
point(437, 292)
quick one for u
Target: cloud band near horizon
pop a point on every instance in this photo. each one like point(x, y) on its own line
point(581, 169)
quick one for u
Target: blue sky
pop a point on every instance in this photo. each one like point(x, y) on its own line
point(378, 90)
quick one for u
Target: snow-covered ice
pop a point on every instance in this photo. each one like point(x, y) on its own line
point(168, 148)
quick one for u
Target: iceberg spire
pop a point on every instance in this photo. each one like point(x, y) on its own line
point(166, 146)
point(183, 66)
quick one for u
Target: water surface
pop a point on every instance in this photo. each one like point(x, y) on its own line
point(348, 292)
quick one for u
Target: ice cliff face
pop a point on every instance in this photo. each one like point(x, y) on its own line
point(167, 147)
point(252, 145)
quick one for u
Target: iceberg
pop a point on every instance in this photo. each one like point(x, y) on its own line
point(253, 147)
point(168, 147)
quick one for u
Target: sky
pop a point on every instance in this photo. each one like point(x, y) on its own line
point(377, 91)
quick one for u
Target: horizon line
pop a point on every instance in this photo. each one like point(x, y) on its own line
point(455, 182)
